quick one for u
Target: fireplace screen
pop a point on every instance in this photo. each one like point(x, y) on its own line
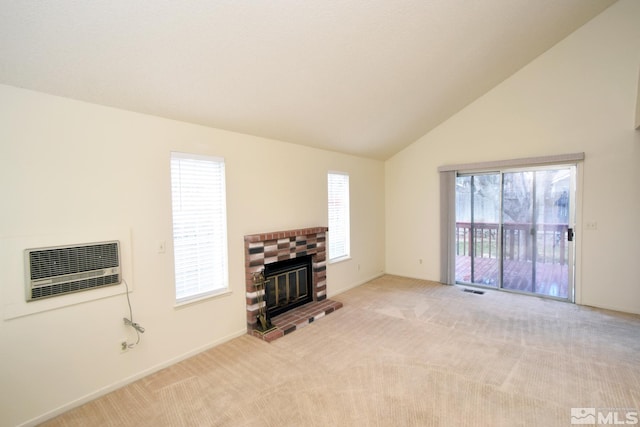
point(287, 285)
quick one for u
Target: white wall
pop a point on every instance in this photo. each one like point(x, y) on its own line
point(577, 97)
point(74, 172)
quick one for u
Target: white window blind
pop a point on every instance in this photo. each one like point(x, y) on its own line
point(338, 190)
point(199, 225)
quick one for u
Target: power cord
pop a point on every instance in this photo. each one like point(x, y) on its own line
point(129, 322)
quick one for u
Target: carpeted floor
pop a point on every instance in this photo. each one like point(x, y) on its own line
point(401, 352)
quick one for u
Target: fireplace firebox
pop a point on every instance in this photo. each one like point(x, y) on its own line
point(288, 284)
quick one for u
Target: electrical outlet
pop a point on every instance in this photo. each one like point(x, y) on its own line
point(591, 225)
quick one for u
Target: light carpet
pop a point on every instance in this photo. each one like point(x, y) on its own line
point(401, 352)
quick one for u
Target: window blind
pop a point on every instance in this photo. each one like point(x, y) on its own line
point(199, 225)
point(338, 191)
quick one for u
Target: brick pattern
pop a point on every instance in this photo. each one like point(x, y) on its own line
point(298, 318)
point(266, 248)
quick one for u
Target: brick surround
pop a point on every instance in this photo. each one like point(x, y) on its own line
point(266, 248)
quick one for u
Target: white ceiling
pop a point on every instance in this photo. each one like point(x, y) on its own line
point(365, 77)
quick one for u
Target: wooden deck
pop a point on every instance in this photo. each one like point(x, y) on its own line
point(551, 278)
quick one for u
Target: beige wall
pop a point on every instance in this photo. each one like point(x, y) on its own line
point(76, 172)
point(577, 97)
point(638, 106)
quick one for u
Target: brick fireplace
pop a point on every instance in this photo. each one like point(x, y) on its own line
point(267, 248)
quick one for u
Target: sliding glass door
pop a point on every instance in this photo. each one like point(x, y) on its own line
point(513, 230)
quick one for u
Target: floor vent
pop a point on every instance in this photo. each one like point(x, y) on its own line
point(66, 269)
point(473, 291)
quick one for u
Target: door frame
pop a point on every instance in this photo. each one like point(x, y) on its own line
point(572, 223)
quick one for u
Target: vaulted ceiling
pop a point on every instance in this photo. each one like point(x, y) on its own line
point(365, 77)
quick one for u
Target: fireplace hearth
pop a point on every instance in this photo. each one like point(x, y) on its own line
point(294, 266)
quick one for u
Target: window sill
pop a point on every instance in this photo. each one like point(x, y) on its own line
point(340, 259)
point(199, 299)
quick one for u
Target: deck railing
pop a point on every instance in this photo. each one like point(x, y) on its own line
point(518, 241)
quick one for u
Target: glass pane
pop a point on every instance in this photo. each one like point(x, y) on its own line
point(282, 290)
point(477, 225)
point(302, 283)
point(270, 291)
point(463, 229)
point(293, 287)
point(338, 215)
point(485, 220)
point(199, 225)
point(552, 219)
point(517, 202)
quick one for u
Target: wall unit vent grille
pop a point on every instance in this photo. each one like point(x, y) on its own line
point(66, 269)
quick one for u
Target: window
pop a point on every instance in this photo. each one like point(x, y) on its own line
point(338, 190)
point(199, 225)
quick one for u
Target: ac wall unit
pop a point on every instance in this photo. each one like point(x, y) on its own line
point(62, 270)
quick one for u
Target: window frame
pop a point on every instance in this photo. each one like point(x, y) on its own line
point(212, 250)
point(345, 227)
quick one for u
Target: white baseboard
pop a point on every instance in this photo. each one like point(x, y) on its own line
point(355, 285)
point(415, 277)
point(625, 310)
point(108, 389)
